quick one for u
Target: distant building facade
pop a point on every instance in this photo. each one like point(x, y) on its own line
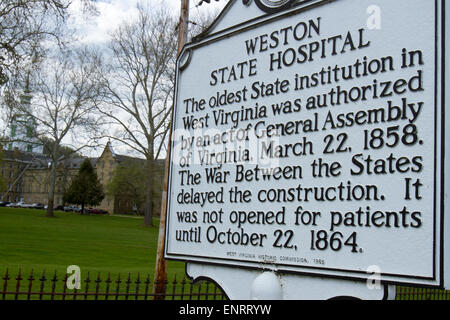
point(27, 175)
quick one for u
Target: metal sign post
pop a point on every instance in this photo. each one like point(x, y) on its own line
point(308, 150)
point(266, 284)
point(161, 263)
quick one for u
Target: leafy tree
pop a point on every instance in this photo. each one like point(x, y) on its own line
point(127, 182)
point(66, 152)
point(85, 188)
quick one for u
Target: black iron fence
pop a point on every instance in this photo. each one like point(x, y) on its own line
point(52, 287)
point(45, 286)
point(417, 293)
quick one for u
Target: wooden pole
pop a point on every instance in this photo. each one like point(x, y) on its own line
point(184, 25)
point(161, 263)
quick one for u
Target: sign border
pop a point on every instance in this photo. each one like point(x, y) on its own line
point(437, 279)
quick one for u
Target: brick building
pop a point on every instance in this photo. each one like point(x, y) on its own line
point(26, 176)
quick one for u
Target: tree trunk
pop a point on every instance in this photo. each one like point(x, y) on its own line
point(51, 192)
point(148, 209)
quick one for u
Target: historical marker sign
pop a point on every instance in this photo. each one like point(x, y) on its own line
point(311, 140)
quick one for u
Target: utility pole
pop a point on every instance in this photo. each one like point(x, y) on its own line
point(184, 25)
point(161, 264)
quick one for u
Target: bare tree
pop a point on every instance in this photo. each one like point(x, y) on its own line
point(200, 22)
point(139, 86)
point(25, 24)
point(65, 92)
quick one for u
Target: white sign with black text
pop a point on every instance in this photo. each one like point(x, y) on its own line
point(312, 140)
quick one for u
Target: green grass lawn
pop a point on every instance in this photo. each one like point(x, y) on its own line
point(96, 243)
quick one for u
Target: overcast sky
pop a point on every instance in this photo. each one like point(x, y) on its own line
point(112, 12)
point(94, 30)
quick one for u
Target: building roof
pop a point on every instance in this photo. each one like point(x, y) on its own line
point(26, 157)
point(41, 161)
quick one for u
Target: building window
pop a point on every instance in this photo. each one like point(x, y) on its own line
point(29, 132)
point(29, 148)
